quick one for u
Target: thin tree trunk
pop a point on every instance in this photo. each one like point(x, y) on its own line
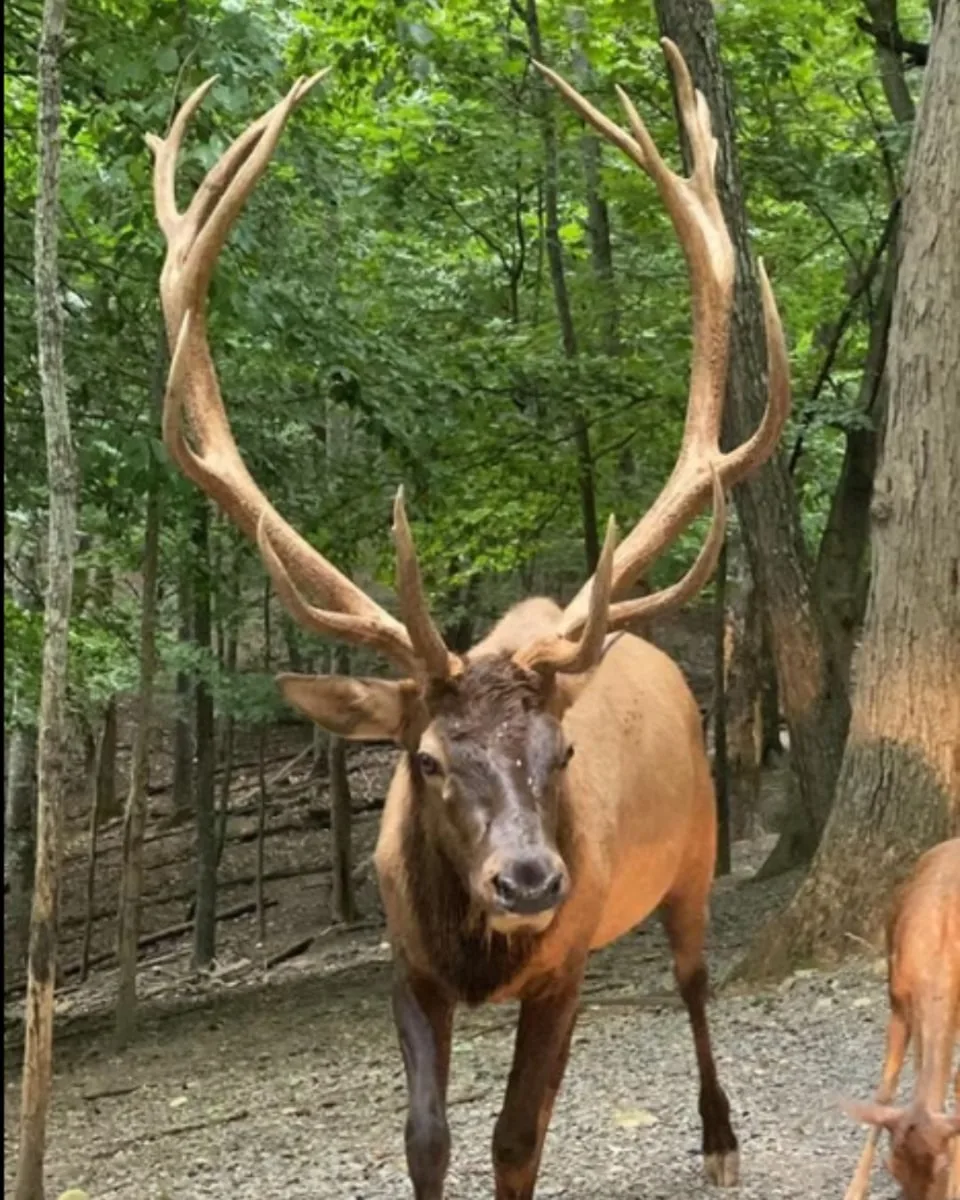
point(230, 636)
point(899, 789)
point(721, 773)
point(744, 712)
point(53, 766)
point(205, 927)
point(135, 812)
point(816, 705)
point(21, 800)
point(342, 900)
point(262, 778)
point(107, 806)
point(183, 799)
point(551, 199)
point(93, 829)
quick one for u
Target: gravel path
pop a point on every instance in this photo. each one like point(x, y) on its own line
point(294, 1089)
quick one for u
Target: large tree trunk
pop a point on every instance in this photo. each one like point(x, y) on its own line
point(558, 280)
point(20, 816)
point(135, 813)
point(899, 789)
point(815, 702)
point(53, 767)
point(841, 575)
point(205, 927)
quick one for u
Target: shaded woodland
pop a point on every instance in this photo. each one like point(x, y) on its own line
point(447, 281)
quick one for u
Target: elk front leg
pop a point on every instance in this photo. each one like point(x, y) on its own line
point(424, 1020)
point(898, 1037)
point(539, 1059)
point(685, 919)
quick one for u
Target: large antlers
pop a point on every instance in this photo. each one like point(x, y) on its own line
point(194, 240)
point(698, 221)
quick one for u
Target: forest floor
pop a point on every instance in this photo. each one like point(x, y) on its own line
point(289, 1085)
point(284, 1081)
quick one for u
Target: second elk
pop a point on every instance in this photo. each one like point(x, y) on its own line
point(553, 787)
point(923, 955)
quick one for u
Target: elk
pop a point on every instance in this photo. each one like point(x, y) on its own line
point(923, 962)
point(553, 787)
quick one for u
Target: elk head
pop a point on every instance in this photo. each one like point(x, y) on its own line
point(919, 1145)
point(485, 748)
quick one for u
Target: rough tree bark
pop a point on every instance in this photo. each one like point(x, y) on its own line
point(205, 923)
point(558, 280)
point(53, 768)
point(841, 576)
point(899, 789)
point(815, 702)
point(135, 811)
point(20, 817)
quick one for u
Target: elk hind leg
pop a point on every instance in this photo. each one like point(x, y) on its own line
point(685, 920)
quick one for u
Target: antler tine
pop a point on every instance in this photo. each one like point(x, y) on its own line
point(165, 152)
point(644, 608)
point(558, 654)
point(349, 627)
point(194, 240)
point(424, 634)
point(694, 209)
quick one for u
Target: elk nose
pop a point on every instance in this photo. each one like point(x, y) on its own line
point(529, 885)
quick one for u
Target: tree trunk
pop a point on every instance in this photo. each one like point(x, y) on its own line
point(815, 702)
point(20, 816)
point(598, 216)
point(135, 812)
point(899, 789)
point(205, 925)
point(558, 280)
point(262, 775)
point(721, 773)
point(342, 900)
point(744, 711)
point(841, 576)
point(183, 800)
point(53, 765)
point(107, 806)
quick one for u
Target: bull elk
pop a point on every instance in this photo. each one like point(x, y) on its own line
point(553, 787)
point(923, 959)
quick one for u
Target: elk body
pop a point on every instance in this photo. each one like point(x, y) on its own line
point(923, 956)
point(553, 788)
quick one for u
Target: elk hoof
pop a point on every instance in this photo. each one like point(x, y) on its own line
point(723, 1168)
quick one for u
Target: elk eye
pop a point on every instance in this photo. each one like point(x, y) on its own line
point(428, 764)
point(566, 756)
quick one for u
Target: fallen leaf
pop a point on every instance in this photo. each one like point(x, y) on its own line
point(634, 1118)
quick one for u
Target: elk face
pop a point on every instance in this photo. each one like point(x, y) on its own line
point(488, 770)
point(919, 1159)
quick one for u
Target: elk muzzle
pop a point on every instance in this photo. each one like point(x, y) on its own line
point(524, 892)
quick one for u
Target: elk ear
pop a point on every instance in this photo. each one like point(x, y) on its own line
point(881, 1115)
point(364, 710)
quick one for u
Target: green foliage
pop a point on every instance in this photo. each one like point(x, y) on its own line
point(383, 312)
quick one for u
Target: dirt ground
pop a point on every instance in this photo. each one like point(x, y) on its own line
point(289, 1085)
point(285, 1082)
